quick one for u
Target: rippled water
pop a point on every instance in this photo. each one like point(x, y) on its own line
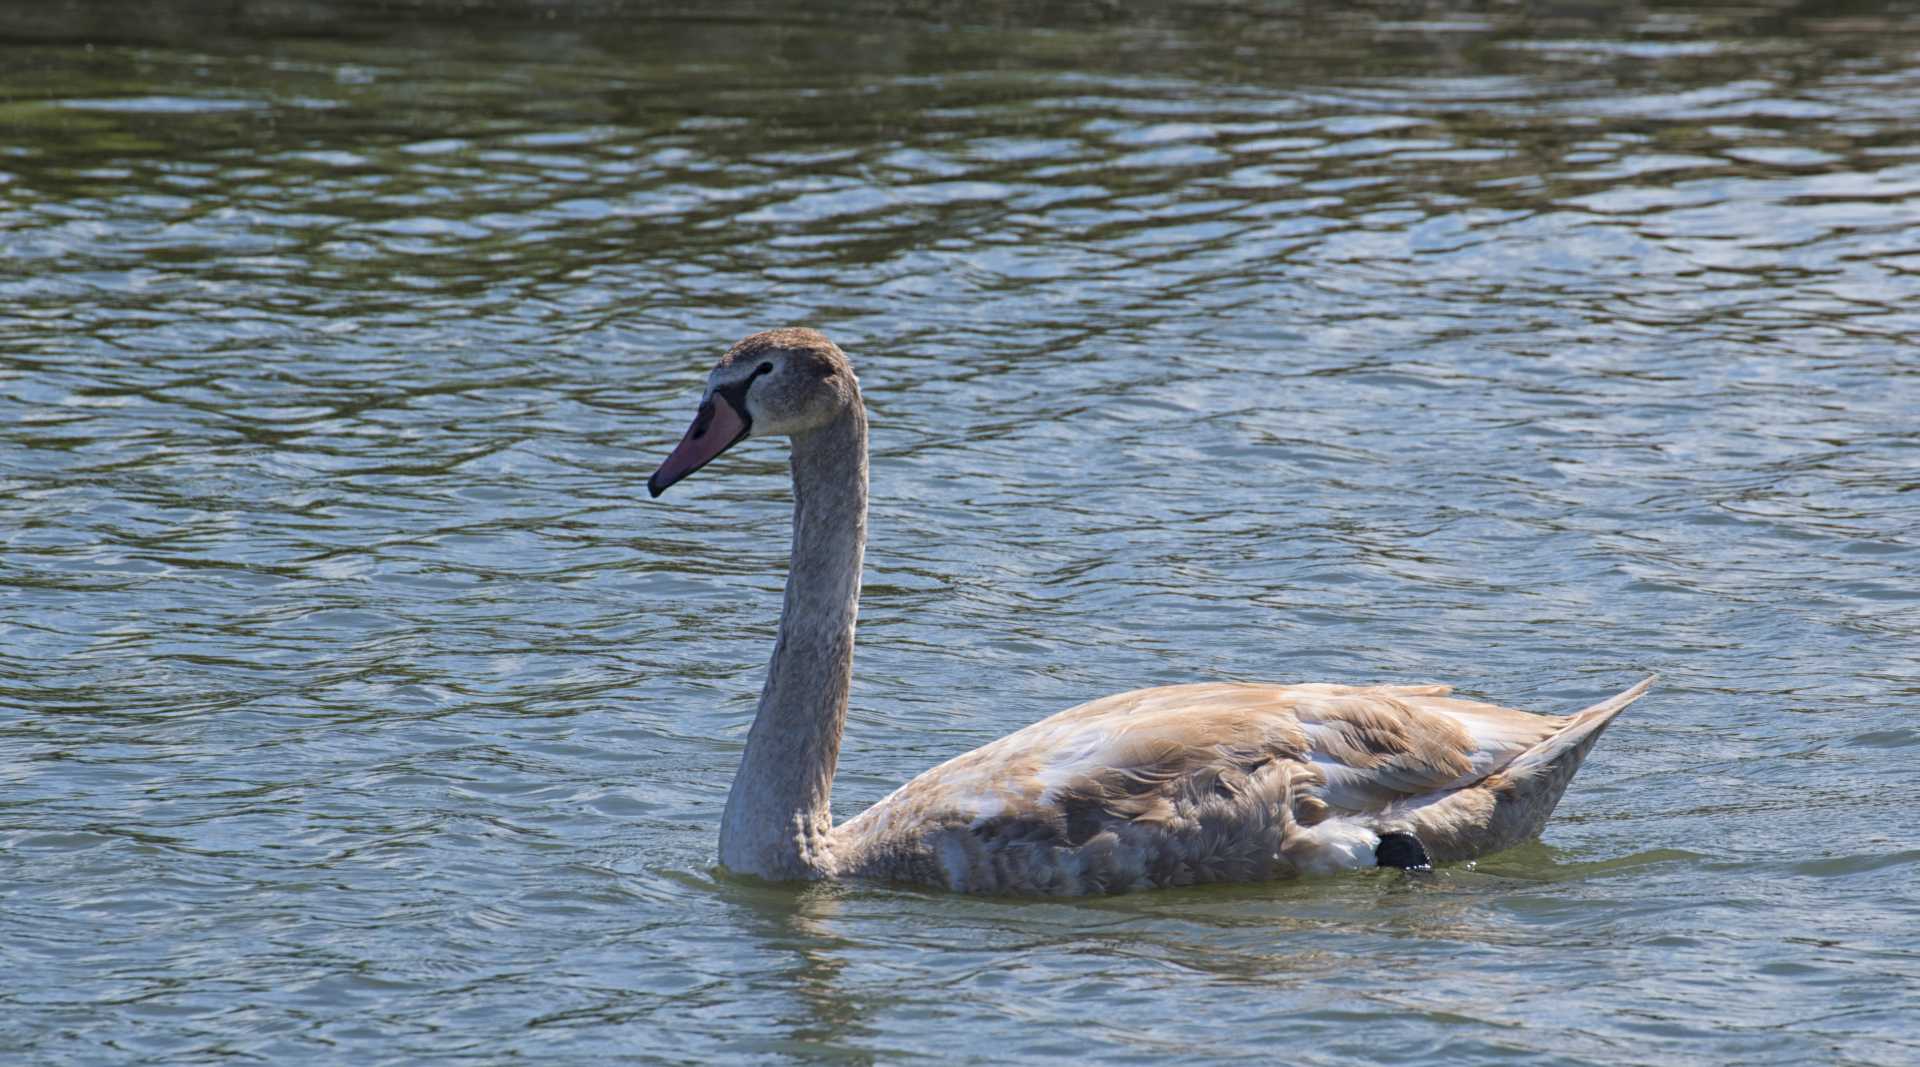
point(356, 707)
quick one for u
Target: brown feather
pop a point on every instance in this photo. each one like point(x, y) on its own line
point(1199, 783)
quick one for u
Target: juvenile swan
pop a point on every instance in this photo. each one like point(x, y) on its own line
point(1215, 782)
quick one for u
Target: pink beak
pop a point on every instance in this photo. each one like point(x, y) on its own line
point(716, 428)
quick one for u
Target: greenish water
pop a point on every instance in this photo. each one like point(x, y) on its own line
point(355, 706)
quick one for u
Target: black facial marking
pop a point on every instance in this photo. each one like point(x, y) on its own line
point(1400, 849)
point(736, 394)
point(701, 420)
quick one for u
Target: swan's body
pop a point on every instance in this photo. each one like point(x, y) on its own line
point(1170, 786)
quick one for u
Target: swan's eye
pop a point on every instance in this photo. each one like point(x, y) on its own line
point(764, 368)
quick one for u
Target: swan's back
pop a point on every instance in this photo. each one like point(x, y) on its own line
point(1206, 783)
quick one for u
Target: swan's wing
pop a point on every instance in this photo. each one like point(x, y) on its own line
point(1225, 765)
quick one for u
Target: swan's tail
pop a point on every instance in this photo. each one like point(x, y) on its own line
point(1511, 804)
point(1566, 748)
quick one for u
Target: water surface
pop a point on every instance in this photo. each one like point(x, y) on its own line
point(356, 706)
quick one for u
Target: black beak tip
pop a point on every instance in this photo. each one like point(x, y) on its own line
point(654, 488)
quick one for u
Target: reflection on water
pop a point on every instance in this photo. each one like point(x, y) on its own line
point(357, 705)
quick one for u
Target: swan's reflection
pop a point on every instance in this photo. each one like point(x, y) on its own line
point(799, 922)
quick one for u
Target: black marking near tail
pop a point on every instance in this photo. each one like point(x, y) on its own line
point(1397, 848)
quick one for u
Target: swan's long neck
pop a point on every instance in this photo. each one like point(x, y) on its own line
point(777, 820)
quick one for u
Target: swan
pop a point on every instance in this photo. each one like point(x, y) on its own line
point(1176, 785)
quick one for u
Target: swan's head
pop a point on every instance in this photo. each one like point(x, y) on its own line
point(782, 382)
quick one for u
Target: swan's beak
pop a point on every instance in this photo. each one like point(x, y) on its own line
point(715, 429)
